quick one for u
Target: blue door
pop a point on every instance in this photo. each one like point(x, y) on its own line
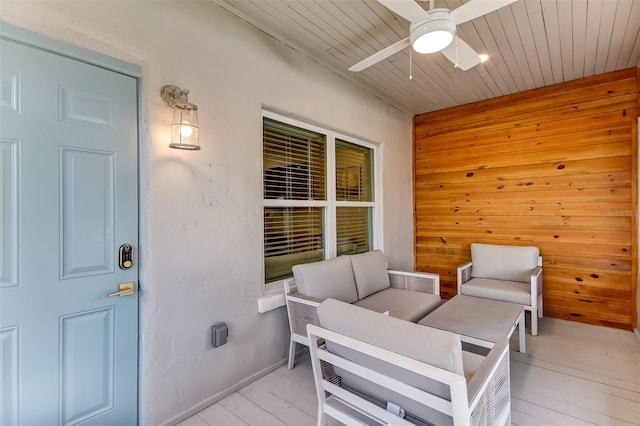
point(69, 238)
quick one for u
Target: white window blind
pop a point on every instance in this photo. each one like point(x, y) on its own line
point(292, 235)
point(354, 173)
point(294, 162)
point(353, 229)
point(354, 182)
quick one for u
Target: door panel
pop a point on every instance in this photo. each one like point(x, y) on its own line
point(86, 340)
point(9, 213)
point(87, 223)
point(82, 106)
point(68, 194)
point(9, 376)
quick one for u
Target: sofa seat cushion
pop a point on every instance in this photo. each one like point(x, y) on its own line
point(331, 278)
point(370, 273)
point(506, 291)
point(407, 305)
point(510, 263)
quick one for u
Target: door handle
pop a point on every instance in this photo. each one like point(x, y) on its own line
point(124, 289)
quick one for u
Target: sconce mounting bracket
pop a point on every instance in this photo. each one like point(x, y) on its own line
point(171, 95)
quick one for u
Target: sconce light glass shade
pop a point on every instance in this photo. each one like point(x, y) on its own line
point(184, 127)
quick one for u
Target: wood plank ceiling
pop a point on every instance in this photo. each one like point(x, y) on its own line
point(531, 44)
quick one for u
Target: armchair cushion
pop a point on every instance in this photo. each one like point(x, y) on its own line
point(506, 291)
point(332, 278)
point(500, 262)
point(370, 273)
point(407, 305)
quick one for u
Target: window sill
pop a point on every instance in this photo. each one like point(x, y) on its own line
point(273, 297)
point(270, 301)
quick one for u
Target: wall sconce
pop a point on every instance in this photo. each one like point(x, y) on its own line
point(184, 126)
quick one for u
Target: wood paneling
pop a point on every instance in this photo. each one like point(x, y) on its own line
point(554, 167)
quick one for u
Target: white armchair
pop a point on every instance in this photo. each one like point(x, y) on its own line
point(506, 273)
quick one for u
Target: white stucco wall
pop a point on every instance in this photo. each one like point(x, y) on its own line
point(201, 211)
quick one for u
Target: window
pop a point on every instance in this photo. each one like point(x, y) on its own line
point(354, 183)
point(307, 215)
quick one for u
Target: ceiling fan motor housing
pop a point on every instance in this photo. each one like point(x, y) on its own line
point(434, 34)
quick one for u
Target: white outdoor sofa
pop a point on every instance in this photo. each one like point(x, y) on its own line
point(361, 279)
point(374, 369)
point(506, 273)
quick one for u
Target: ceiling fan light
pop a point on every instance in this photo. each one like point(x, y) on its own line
point(433, 41)
point(434, 34)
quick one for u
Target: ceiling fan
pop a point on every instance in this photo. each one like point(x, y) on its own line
point(435, 31)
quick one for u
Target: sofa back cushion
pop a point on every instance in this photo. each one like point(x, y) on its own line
point(511, 263)
point(435, 347)
point(370, 273)
point(327, 278)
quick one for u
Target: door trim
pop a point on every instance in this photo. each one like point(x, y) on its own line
point(29, 38)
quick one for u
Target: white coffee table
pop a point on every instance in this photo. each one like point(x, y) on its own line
point(482, 321)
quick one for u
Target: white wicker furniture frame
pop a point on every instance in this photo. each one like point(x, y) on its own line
point(485, 400)
point(302, 309)
point(535, 307)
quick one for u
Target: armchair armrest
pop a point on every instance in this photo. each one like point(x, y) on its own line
point(463, 274)
point(424, 282)
point(536, 281)
point(490, 377)
point(302, 299)
point(302, 311)
point(290, 285)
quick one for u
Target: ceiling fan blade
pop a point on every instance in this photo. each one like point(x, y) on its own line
point(408, 9)
point(465, 57)
point(475, 8)
point(383, 54)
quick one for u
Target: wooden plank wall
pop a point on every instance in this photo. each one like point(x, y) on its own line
point(554, 167)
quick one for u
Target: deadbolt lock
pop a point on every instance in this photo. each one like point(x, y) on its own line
point(125, 256)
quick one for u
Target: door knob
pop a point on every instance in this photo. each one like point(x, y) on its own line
point(124, 289)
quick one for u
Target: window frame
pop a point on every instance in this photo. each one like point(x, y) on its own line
point(330, 204)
